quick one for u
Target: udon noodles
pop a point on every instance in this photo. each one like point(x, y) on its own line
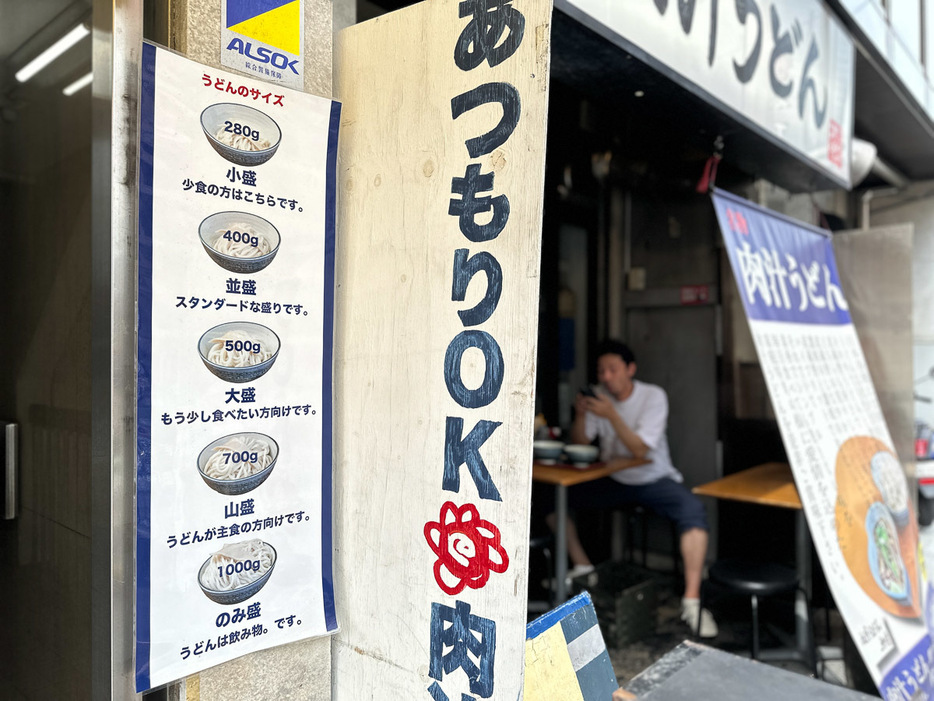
point(220, 573)
point(220, 355)
point(241, 142)
point(220, 466)
point(243, 248)
point(890, 479)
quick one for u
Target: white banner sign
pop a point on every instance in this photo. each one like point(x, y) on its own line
point(851, 483)
point(236, 265)
point(787, 66)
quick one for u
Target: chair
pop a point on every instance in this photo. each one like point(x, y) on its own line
point(757, 580)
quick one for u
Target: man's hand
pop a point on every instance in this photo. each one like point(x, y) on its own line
point(579, 427)
point(622, 695)
point(599, 405)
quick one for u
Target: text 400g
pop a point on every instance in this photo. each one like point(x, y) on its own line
point(242, 237)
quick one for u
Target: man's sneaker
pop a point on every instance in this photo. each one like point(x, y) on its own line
point(580, 571)
point(576, 571)
point(689, 611)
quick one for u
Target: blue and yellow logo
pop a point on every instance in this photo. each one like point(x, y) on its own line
point(276, 23)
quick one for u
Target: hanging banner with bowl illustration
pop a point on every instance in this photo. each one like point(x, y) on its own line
point(235, 317)
point(852, 486)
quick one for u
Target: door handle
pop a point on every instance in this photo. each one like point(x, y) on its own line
point(10, 459)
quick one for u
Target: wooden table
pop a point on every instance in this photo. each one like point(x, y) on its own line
point(772, 484)
point(564, 475)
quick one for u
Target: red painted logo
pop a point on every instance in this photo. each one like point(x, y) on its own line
point(467, 547)
point(835, 144)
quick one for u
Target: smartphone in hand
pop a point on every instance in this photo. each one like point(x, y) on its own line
point(587, 391)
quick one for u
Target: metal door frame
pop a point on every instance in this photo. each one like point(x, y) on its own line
point(116, 44)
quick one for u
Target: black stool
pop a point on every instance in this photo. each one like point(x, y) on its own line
point(758, 579)
point(545, 545)
point(635, 513)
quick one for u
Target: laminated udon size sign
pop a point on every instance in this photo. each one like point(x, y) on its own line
point(851, 483)
point(235, 328)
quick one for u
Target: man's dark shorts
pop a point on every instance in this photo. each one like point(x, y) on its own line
point(665, 497)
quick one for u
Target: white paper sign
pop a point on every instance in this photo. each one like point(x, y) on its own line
point(236, 260)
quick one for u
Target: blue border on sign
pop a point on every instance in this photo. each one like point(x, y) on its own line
point(144, 367)
point(546, 621)
point(330, 211)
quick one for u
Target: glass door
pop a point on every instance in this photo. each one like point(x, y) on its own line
point(45, 372)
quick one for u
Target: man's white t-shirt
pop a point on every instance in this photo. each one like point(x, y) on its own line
point(645, 411)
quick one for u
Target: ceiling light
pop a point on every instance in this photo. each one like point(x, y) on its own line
point(639, 93)
point(52, 53)
point(82, 82)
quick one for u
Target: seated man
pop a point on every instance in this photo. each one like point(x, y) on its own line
point(630, 418)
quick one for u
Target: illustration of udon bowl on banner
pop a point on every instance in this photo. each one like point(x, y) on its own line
point(237, 571)
point(239, 351)
point(876, 527)
point(241, 134)
point(238, 463)
point(239, 242)
point(890, 480)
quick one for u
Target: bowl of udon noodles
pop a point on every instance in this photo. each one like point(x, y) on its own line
point(241, 134)
point(239, 242)
point(237, 571)
point(239, 351)
point(238, 463)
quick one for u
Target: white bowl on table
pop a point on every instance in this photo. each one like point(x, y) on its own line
point(547, 452)
point(581, 455)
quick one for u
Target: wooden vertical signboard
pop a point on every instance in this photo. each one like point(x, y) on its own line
point(441, 176)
